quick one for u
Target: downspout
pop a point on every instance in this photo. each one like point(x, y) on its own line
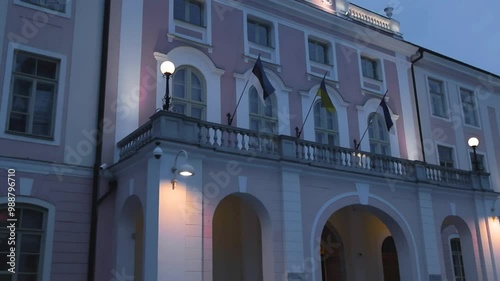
point(98, 148)
point(413, 61)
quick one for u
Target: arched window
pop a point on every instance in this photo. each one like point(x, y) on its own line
point(30, 238)
point(189, 93)
point(379, 136)
point(458, 262)
point(326, 125)
point(390, 260)
point(263, 118)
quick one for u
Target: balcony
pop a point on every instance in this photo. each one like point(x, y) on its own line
point(178, 128)
point(368, 17)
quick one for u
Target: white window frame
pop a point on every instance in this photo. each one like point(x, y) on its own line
point(453, 155)
point(476, 107)
point(59, 102)
point(203, 12)
point(444, 101)
point(323, 127)
point(377, 70)
point(318, 69)
point(65, 14)
point(378, 141)
point(187, 101)
point(205, 30)
point(273, 50)
point(471, 160)
point(47, 244)
point(370, 106)
point(455, 236)
point(260, 116)
point(380, 81)
point(185, 55)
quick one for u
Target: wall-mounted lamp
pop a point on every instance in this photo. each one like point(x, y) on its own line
point(473, 143)
point(185, 170)
point(495, 215)
point(167, 68)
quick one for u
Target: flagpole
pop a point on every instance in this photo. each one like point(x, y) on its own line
point(299, 132)
point(367, 125)
point(230, 121)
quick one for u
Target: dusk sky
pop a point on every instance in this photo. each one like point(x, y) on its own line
point(468, 31)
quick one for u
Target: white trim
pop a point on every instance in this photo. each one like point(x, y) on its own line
point(340, 106)
point(453, 236)
point(412, 245)
point(332, 55)
point(282, 91)
point(129, 70)
point(49, 231)
point(456, 164)
point(66, 14)
point(373, 55)
point(414, 150)
point(476, 105)
point(206, 30)
point(45, 168)
point(447, 106)
point(185, 55)
point(371, 106)
point(274, 49)
point(60, 94)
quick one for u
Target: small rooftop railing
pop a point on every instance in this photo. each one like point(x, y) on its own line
point(179, 128)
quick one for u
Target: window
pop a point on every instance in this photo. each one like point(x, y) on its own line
point(326, 125)
point(438, 100)
point(458, 263)
point(191, 11)
point(445, 156)
point(369, 68)
point(318, 51)
point(469, 107)
point(30, 236)
point(379, 137)
point(259, 32)
point(188, 95)
point(263, 117)
point(55, 5)
point(33, 95)
point(480, 162)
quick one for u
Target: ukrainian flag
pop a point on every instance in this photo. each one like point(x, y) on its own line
point(325, 99)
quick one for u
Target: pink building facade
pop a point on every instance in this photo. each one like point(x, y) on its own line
point(348, 199)
point(50, 56)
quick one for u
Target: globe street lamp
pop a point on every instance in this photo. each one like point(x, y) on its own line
point(474, 142)
point(167, 68)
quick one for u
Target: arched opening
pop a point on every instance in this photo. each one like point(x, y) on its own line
point(238, 241)
point(365, 239)
point(130, 250)
point(458, 250)
point(332, 255)
point(390, 260)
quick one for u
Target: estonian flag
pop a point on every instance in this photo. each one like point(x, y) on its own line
point(260, 81)
point(325, 99)
point(387, 115)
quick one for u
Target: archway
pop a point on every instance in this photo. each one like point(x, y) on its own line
point(363, 229)
point(130, 239)
point(390, 260)
point(242, 240)
point(458, 250)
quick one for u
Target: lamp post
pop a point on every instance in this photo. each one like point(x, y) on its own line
point(167, 68)
point(474, 142)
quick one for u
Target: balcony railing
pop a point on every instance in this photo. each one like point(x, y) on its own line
point(374, 19)
point(179, 128)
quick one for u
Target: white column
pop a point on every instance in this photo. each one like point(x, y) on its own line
point(483, 241)
point(151, 220)
point(292, 220)
point(429, 233)
point(129, 70)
